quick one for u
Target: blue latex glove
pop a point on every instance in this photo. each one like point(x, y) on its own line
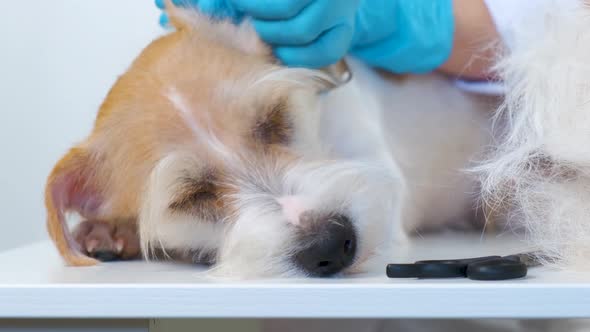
point(404, 36)
point(401, 36)
point(308, 33)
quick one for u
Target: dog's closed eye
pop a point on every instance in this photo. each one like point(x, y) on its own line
point(274, 127)
point(198, 196)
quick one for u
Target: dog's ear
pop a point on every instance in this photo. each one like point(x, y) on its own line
point(72, 186)
point(241, 37)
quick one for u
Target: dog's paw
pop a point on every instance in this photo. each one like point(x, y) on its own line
point(107, 242)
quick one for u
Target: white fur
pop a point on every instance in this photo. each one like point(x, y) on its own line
point(298, 77)
point(541, 167)
point(162, 229)
point(261, 240)
point(357, 158)
point(392, 155)
point(388, 154)
point(423, 129)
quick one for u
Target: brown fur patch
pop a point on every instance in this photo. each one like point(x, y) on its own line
point(201, 197)
point(275, 127)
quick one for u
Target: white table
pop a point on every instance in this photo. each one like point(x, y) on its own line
point(34, 283)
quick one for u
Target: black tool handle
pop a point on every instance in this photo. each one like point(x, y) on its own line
point(496, 269)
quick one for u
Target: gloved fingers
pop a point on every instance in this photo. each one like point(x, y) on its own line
point(375, 20)
point(328, 49)
point(271, 9)
point(303, 29)
point(164, 20)
point(421, 41)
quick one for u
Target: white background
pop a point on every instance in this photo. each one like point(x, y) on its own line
point(57, 61)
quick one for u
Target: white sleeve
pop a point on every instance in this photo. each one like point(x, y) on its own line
point(508, 16)
point(481, 87)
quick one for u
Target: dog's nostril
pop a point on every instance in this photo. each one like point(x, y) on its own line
point(329, 246)
point(347, 246)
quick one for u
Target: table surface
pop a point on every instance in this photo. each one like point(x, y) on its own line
point(35, 283)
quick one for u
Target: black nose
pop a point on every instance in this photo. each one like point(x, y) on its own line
point(329, 245)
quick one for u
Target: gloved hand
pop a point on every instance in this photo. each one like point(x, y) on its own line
point(402, 36)
point(308, 33)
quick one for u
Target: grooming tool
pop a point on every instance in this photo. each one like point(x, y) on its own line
point(478, 268)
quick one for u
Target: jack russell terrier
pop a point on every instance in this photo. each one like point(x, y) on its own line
point(208, 150)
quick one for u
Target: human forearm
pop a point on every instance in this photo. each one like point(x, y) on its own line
point(475, 41)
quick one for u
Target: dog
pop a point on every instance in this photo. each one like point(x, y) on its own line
point(539, 168)
point(208, 150)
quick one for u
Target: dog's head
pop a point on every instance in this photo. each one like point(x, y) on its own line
point(215, 148)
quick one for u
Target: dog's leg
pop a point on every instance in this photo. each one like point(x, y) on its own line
point(107, 241)
point(79, 184)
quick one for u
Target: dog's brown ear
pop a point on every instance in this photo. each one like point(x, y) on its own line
point(241, 37)
point(72, 187)
point(177, 20)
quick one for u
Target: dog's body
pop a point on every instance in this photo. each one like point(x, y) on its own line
point(206, 149)
point(428, 131)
